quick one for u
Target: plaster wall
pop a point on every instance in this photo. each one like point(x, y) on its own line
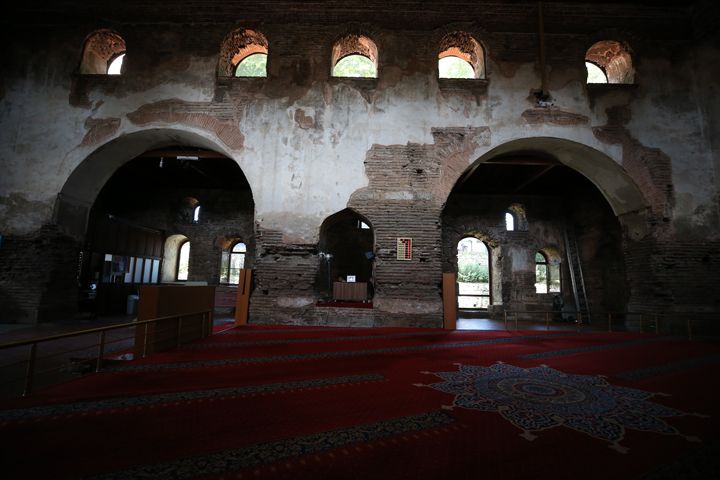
point(311, 145)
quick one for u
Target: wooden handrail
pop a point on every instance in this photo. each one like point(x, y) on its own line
point(96, 330)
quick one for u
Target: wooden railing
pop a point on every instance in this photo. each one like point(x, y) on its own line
point(126, 344)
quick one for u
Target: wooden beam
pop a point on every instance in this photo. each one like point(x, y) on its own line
point(533, 178)
point(173, 153)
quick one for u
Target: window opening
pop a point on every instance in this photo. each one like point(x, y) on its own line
point(116, 65)
point(612, 59)
point(254, 65)
point(461, 56)
point(473, 259)
point(455, 67)
point(509, 222)
point(355, 66)
point(183, 261)
point(595, 74)
point(362, 225)
point(196, 214)
point(547, 275)
point(103, 54)
point(232, 262)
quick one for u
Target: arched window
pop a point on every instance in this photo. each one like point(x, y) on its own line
point(254, 65)
point(609, 61)
point(461, 56)
point(232, 262)
point(183, 265)
point(103, 54)
point(595, 74)
point(354, 56)
point(473, 260)
point(509, 222)
point(516, 218)
point(189, 210)
point(547, 274)
point(196, 214)
point(243, 53)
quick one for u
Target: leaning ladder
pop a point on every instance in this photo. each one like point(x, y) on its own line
point(582, 306)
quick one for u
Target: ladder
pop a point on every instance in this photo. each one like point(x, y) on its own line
point(582, 306)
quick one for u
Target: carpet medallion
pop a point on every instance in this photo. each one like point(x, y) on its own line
point(538, 398)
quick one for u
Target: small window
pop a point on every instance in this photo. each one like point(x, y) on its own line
point(354, 56)
point(461, 56)
point(609, 61)
point(103, 54)
point(254, 65)
point(232, 262)
point(183, 265)
point(196, 214)
point(363, 226)
point(355, 66)
point(509, 222)
point(595, 74)
point(455, 67)
point(116, 65)
point(547, 274)
point(243, 53)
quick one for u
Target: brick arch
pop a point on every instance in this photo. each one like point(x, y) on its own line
point(614, 58)
point(238, 45)
point(463, 45)
point(616, 185)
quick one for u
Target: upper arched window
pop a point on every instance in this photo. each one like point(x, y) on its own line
point(103, 54)
point(354, 56)
point(509, 222)
point(183, 264)
point(232, 262)
point(461, 56)
point(516, 218)
point(609, 61)
point(243, 53)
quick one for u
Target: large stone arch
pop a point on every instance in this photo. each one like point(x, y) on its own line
point(87, 179)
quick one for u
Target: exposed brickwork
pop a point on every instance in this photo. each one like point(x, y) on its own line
point(38, 277)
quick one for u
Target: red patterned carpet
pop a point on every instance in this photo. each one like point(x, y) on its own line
point(385, 403)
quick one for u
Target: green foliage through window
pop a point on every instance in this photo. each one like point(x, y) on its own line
point(254, 65)
point(355, 66)
point(455, 67)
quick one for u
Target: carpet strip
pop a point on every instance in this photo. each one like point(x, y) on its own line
point(259, 343)
point(644, 373)
point(591, 348)
point(270, 452)
point(78, 408)
point(334, 354)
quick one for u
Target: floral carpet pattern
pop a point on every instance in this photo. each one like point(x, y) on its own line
point(538, 398)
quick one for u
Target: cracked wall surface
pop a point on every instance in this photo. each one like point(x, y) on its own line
point(392, 148)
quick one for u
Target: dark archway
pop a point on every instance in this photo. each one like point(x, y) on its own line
point(160, 194)
point(562, 207)
point(347, 252)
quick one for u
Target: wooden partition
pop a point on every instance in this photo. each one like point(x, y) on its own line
point(449, 293)
point(180, 302)
point(242, 303)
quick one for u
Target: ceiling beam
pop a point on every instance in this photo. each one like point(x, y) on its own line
point(533, 178)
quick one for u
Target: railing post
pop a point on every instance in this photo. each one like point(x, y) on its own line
point(547, 320)
point(101, 352)
point(30, 372)
point(505, 317)
point(516, 321)
point(610, 322)
point(145, 340)
point(179, 329)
